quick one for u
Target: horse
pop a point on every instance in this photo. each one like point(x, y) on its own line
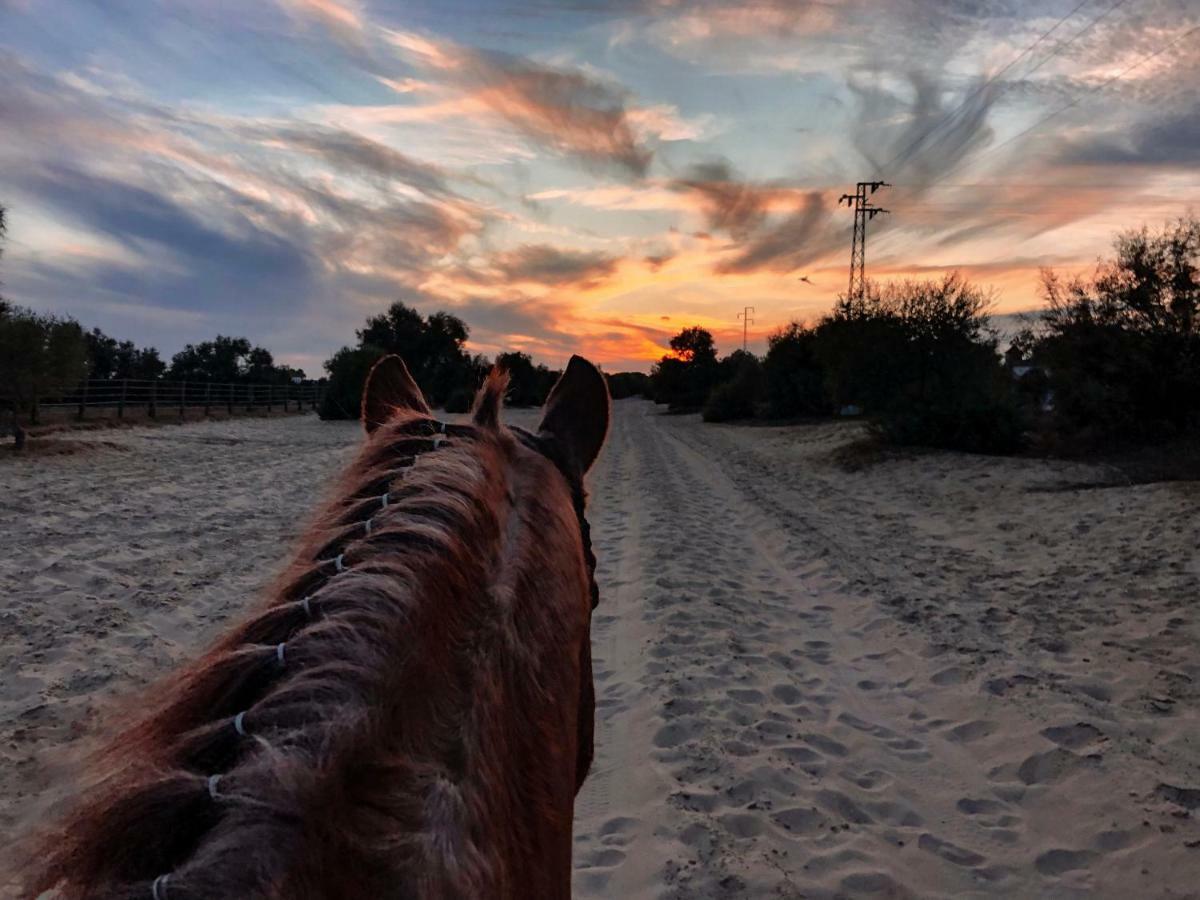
point(409, 710)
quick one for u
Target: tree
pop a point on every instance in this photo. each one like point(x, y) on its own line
point(348, 370)
point(528, 384)
point(794, 376)
point(740, 386)
point(694, 345)
point(628, 384)
point(110, 358)
point(40, 356)
point(683, 381)
point(920, 359)
point(431, 346)
point(229, 360)
point(1122, 349)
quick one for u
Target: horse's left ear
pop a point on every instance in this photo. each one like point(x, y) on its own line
point(390, 388)
point(576, 413)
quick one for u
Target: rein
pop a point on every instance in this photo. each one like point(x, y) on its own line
point(438, 432)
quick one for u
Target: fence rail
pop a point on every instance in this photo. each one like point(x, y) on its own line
point(157, 397)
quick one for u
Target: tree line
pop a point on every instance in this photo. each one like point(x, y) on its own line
point(434, 349)
point(1112, 362)
point(44, 356)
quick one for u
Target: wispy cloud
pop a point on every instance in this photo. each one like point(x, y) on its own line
point(567, 111)
point(544, 264)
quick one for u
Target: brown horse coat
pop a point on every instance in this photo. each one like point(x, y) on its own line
point(410, 712)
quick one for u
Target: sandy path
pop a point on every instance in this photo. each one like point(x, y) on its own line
point(122, 560)
point(943, 676)
point(879, 684)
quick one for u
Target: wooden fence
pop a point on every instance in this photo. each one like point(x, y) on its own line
point(130, 397)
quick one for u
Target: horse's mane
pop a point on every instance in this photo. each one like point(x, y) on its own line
point(258, 751)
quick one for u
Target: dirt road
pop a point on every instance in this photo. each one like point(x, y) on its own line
point(774, 719)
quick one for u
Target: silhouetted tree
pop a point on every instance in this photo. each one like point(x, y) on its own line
point(739, 389)
point(110, 358)
point(794, 376)
point(528, 384)
point(431, 346)
point(629, 384)
point(920, 359)
point(683, 381)
point(1121, 350)
point(40, 356)
point(695, 345)
point(229, 359)
point(348, 370)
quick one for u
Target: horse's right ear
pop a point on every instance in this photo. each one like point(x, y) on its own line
point(390, 388)
point(576, 413)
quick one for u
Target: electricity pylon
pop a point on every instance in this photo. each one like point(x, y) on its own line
point(864, 212)
point(744, 315)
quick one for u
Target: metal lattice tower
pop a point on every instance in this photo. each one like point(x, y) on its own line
point(864, 212)
point(744, 315)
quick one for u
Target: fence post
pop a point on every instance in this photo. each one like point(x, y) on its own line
point(270, 397)
point(207, 397)
point(182, 398)
point(121, 402)
point(228, 399)
point(153, 410)
point(249, 398)
point(83, 398)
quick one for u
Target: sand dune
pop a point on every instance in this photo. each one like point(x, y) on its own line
point(941, 676)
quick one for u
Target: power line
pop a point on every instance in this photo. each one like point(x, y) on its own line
point(920, 139)
point(1088, 27)
point(1073, 103)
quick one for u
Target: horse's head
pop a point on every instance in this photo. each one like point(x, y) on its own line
point(410, 711)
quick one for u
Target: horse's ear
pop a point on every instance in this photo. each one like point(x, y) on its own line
point(390, 388)
point(576, 413)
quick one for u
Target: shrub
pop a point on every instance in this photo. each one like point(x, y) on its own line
point(795, 380)
point(738, 396)
point(920, 360)
point(1121, 351)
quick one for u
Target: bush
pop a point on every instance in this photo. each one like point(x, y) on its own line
point(1122, 351)
point(738, 396)
point(920, 360)
point(795, 380)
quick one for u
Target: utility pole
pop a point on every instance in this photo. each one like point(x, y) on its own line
point(864, 212)
point(744, 315)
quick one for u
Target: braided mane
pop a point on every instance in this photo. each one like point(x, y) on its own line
point(343, 740)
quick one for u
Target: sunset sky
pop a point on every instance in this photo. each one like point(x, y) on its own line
point(569, 175)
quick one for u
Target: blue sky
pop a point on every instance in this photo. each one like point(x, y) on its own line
point(571, 176)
